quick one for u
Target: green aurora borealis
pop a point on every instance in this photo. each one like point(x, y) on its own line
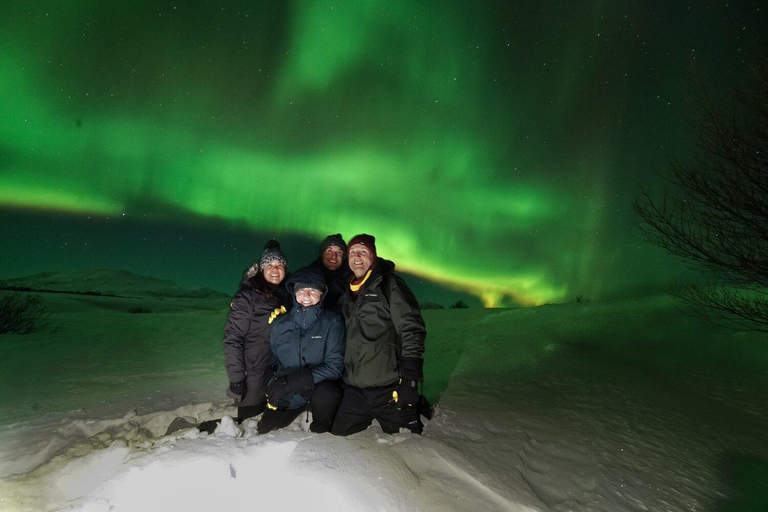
point(492, 148)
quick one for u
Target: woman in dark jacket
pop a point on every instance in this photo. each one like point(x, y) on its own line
point(308, 347)
point(259, 301)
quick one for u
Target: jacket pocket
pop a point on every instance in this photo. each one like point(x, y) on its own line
point(374, 322)
point(377, 360)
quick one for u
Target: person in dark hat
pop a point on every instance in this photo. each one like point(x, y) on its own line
point(332, 263)
point(246, 333)
point(247, 353)
point(308, 348)
point(384, 356)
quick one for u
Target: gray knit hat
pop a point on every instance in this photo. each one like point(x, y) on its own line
point(272, 252)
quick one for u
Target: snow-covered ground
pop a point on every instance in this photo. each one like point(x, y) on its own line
point(592, 407)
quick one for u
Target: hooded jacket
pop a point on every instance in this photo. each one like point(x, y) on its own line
point(310, 337)
point(384, 326)
point(246, 337)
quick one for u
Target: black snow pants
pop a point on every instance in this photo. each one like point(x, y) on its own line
point(360, 406)
point(323, 403)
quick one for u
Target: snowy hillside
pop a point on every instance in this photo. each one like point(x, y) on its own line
point(623, 406)
point(106, 282)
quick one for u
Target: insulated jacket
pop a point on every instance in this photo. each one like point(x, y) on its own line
point(310, 337)
point(384, 325)
point(246, 338)
point(337, 282)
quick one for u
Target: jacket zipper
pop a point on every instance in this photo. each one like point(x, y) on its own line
point(309, 398)
point(301, 354)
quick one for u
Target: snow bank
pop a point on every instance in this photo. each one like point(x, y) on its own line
point(28, 445)
point(131, 468)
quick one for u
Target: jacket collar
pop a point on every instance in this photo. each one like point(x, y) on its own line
point(375, 274)
point(305, 316)
point(355, 287)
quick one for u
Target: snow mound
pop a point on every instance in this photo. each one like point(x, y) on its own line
point(31, 445)
point(126, 465)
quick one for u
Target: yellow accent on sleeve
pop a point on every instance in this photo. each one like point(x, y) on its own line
point(276, 313)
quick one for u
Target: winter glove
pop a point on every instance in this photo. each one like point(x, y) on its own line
point(237, 390)
point(293, 383)
point(411, 368)
point(271, 371)
point(276, 391)
point(406, 393)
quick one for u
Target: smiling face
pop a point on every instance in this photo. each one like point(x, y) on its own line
point(360, 259)
point(332, 257)
point(274, 272)
point(308, 296)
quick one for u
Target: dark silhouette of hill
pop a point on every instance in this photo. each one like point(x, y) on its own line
point(106, 282)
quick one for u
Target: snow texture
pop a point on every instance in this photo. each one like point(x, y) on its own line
point(625, 406)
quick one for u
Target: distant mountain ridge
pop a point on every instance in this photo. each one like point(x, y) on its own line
point(107, 282)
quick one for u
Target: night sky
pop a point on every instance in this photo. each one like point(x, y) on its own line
point(493, 148)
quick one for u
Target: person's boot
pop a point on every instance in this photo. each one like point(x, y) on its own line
point(209, 426)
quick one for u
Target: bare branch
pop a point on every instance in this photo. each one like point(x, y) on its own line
point(714, 211)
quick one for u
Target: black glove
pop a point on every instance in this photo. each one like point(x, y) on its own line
point(237, 390)
point(296, 382)
point(406, 393)
point(276, 391)
point(269, 374)
point(411, 368)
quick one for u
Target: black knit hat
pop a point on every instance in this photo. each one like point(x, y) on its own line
point(307, 277)
point(312, 286)
point(336, 240)
point(272, 252)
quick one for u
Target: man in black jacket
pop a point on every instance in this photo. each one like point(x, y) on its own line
point(332, 263)
point(384, 353)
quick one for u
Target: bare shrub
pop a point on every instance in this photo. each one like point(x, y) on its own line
point(21, 313)
point(714, 213)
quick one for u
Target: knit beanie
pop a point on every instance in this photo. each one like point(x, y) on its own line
point(368, 241)
point(336, 240)
point(272, 252)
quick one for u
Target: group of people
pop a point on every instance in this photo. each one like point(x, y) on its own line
point(342, 338)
